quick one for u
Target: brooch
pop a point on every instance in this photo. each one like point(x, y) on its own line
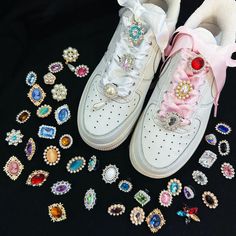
point(155, 220)
point(59, 92)
point(70, 55)
point(127, 62)
point(211, 139)
point(81, 71)
point(165, 198)
point(183, 90)
point(62, 114)
point(110, 174)
point(223, 128)
point(171, 121)
point(197, 64)
point(30, 149)
point(142, 197)
point(207, 159)
point(23, 116)
point(92, 163)
point(51, 155)
point(136, 33)
point(66, 141)
point(125, 186)
point(189, 192)
point(36, 95)
point(31, 78)
point(47, 132)
point(90, 199)
point(175, 187)
point(116, 209)
point(210, 200)
point(37, 178)
point(55, 67)
point(137, 216)
point(227, 170)
point(110, 91)
point(75, 165)
point(189, 214)
point(224, 148)
point(49, 78)
point(61, 188)
point(13, 168)
point(14, 137)
point(57, 212)
point(44, 111)
point(199, 177)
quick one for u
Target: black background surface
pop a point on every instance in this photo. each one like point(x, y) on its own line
point(33, 34)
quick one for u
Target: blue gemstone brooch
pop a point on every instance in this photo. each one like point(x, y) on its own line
point(62, 114)
point(14, 137)
point(36, 95)
point(137, 216)
point(61, 187)
point(92, 163)
point(31, 78)
point(125, 186)
point(175, 187)
point(90, 199)
point(47, 132)
point(223, 128)
point(155, 220)
point(211, 139)
point(75, 165)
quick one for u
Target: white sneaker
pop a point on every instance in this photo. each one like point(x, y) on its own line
point(113, 97)
point(174, 121)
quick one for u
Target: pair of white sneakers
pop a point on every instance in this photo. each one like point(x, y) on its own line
point(193, 75)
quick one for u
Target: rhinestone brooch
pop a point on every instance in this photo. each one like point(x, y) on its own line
point(75, 165)
point(199, 177)
point(31, 78)
point(36, 95)
point(30, 149)
point(171, 121)
point(211, 139)
point(189, 214)
point(81, 71)
point(55, 67)
point(183, 90)
point(13, 168)
point(142, 197)
point(125, 186)
point(137, 216)
point(92, 163)
point(23, 116)
point(62, 114)
point(207, 159)
point(14, 137)
point(227, 170)
point(197, 64)
point(90, 199)
point(44, 111)
point(155, 220)
point(37, 178)
point(224, 148)
point(223, 128)
point(127, 62)
point(61, 188)
point(165, 198)
point(70, 55)
point(116, 209)
point(49, 78)
point(51, 155)
point(210, 200)
point(136, 33)
point(57, 212)
point(47, 132)
point(188, 192)
point(110, 174)
point(65, 141)
point(174, 187)
point(59, 92)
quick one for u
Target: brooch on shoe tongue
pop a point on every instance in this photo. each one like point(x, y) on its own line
point(136, 33)
point(171, 121)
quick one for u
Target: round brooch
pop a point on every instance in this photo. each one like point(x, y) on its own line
point(125, 186)
point(183, 90)
point(66, 141)
point(210, 200)
point(59, 92)
point(224, 148)
point(110, 174)
point(197, 63)
point(227, 170)
point(116, 209)
point(75, 165)
point(199, 177)
point(61, 188)
point(81, 71)
point(175, 187)
point(110, 91)
point(137, 216)
point(165, 198)
point(70, 54)
point(57, 212)
point(51, 155)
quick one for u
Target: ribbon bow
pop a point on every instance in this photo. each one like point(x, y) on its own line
point(152, 15)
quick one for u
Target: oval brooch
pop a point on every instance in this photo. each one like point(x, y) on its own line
point(137, 216)
point(165, 198)
point(116, 209)
point(61, 188)
point(57, 212)
point(75, 165)
point(31, 78)
point(227, 170)
point(223, 128)
point(66, 141)
point(36, 95)
point(51, 155)
point(125, 186)
point(199, 177)
point(224, 148)
point(55, 67)
point(13, 168)
point(92, 163)
point(44, 111)
point(110, 174)
point(175, 187)
point(90, 199)
point(210, 200)
point(23, 116)
point(62, 114)
point(37, 178)
point(30, 149)
point(155, 220)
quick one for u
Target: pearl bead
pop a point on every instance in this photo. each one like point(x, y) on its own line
point(110, 91)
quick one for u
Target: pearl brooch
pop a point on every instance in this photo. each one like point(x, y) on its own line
point(14, 137)
point(44, 111)
point(110, 91)
point(174, 187)
point(75, 165)
point(49, 78)
point(61, 188)
point(183, 90)
point(137, 216)
point(227, 170)
point(59, 92)
point(110, 174)
point(70, 55)
point(224, 148)
point(23, 116)
point(210, 200)
point(81, 71)
point(165, 198)
point(51, 155)
point(116, 209)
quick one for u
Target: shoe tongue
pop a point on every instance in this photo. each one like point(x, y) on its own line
point(205, 35)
